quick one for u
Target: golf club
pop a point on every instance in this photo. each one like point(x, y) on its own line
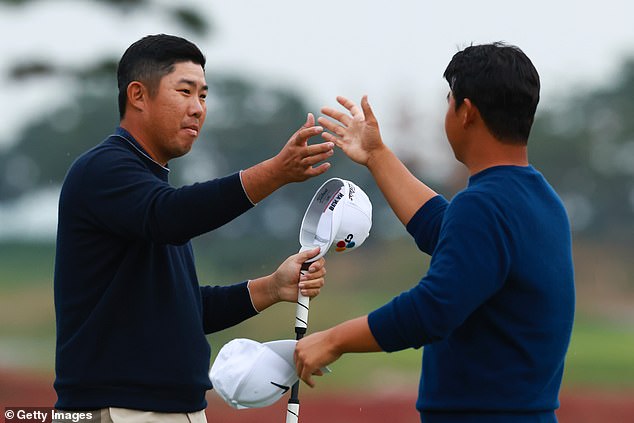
point(339, 213)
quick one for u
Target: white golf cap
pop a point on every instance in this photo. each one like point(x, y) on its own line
point(339, 214)
point(250, 374)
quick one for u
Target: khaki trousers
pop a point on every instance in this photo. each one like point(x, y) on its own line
point(126, 415)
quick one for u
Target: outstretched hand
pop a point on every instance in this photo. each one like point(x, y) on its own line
point(357, 133)
point(296, 161)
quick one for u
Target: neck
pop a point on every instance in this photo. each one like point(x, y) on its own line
point(141, 137)
point(496, 153)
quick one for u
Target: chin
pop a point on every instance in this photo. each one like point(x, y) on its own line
point(183, 148)
point(183, 151)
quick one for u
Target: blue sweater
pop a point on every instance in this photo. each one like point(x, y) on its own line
point(495, 309)
point(131, 316)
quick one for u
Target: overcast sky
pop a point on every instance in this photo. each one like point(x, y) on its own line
point(395, 51)
point(395, 47)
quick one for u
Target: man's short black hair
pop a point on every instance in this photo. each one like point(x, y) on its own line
point(501, 81)
point(151, 58)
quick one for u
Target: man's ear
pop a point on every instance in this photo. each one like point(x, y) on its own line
point(469, 113)
point(137, 95)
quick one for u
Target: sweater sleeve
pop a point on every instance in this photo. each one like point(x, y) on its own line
point(121, 195)
point(424, 226)
point(225, 306)
point(470, 264)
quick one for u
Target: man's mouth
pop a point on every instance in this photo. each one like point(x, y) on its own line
point(192, 130)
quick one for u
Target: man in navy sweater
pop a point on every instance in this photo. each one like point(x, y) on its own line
point(131, 315)
point(495, 310)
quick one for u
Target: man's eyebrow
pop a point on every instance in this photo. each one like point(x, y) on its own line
point(193, 83)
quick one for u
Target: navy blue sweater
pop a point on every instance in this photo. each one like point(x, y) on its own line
point(495, 309)
point(131, 316)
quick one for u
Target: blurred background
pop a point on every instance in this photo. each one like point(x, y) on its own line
point(269, 63)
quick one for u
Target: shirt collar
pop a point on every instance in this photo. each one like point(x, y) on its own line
point(122, 133)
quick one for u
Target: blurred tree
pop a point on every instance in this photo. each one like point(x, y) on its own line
point(48, 146)
point(586, 148)
point(181, 14)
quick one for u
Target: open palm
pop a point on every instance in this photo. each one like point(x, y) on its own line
point(357, 133)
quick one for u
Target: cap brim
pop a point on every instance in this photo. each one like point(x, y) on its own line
point(308, 231)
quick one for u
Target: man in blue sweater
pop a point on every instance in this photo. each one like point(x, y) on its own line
point(495, 309)
point(131, 315)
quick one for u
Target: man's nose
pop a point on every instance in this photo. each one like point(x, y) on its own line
point(197, 107)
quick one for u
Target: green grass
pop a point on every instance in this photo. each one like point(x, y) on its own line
point(601, 354)
point(26, 264)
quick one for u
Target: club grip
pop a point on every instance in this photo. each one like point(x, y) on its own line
point(292, 412)
point(303, 305)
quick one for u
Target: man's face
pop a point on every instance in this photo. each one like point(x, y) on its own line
point(452, 124)
point(450, 116)
point(176, 112)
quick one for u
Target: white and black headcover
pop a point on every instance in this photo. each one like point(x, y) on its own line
point(339, 214)
point(250, 374)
